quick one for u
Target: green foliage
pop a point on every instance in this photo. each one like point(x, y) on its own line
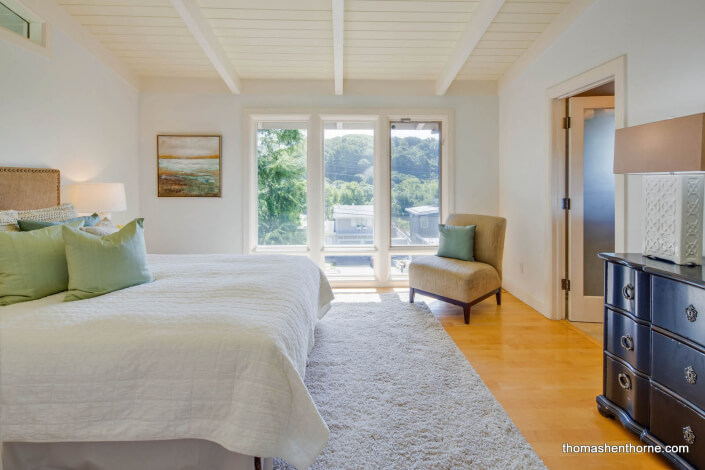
point(347, 193)
point(417, 157)
point(349, 158)
point(410, 191)
point(281, 186)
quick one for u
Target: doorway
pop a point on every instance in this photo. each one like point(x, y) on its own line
point(607, 79)
point(590, 211)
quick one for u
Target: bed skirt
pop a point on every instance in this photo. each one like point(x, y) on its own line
point(177, 454)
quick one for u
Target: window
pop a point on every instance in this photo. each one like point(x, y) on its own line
point(415, 182)
point(17, 19)
point(281, 183)
point(349, 156)
point(359, 267)
point(361, 195)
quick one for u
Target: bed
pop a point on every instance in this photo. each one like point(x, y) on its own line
point(206, 362)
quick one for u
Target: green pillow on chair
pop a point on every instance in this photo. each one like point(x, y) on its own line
point(33, 264)
point(457, 242)
point(98, 265)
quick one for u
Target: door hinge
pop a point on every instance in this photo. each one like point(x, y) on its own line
point(565, 284)
point(566, 122)
point(565, 203)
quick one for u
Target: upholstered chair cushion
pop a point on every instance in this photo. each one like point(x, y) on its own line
point(456, 279)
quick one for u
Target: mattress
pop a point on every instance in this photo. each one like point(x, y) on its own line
point(214, 349)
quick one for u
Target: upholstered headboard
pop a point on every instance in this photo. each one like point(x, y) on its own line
point(29, 188)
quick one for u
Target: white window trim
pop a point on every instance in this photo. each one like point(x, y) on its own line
point(37, 26)
point(381, 250)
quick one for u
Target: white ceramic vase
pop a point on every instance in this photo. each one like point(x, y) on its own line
point(673, 225)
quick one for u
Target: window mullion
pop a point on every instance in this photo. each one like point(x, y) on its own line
point(382, 198)
point(315, 189)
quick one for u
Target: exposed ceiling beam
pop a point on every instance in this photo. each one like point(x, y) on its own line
point(338, 26)
point(567, 17)
point(480, 20)
point(190, 12)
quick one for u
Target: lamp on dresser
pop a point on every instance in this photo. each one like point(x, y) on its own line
point(654, 310)
point(671, 153)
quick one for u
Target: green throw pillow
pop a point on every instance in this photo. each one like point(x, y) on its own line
point(29, 225)
point(33, 264)
point(457, 242)
point(98, 265)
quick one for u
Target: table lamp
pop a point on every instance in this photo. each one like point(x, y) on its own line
point(103, 198)
point(672, 155)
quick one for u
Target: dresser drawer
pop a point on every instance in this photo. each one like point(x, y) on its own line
point(627, 389)
point(628, 340)
point(679, 308)
point(680, 368)
point(628, 289)
point(674, 423)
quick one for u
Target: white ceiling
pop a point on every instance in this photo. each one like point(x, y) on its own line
point(293, 39)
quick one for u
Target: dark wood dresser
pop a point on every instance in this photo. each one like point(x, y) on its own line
point(654, 353)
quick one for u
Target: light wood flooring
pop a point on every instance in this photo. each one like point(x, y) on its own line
point(546, 374)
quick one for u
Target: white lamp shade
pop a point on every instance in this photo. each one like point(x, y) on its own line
point(97, 197)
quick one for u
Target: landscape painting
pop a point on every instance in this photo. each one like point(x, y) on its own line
point(188, 165)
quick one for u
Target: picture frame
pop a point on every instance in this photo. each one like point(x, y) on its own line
point(189, 165)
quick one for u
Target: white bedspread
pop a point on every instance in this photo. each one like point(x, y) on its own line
point(215, 348)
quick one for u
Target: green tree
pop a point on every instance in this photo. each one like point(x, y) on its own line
point(410, 191)
point(281, 185)
point(349, 157)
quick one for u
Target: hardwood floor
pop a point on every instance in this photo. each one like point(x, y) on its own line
point(592, 329)
point(546, 374)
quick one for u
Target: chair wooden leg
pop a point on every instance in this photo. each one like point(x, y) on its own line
point(466, 313)
point(412, 291)
point(499, 296)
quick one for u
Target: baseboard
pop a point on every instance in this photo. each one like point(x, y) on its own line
point(526, 297)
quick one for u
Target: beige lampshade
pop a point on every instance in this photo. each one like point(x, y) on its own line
point(673, 145)
point(97, 197)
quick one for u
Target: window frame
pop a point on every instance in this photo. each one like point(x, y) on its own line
point(381, 250)
point(441, 181)
point(38, 34)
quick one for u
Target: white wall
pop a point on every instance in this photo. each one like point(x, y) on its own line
point(664, 45)
point(69, 111)
point(199, 225)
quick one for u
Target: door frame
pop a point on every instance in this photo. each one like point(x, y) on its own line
point(556, 96)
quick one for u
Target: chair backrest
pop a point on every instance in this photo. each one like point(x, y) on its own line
point(489, 236)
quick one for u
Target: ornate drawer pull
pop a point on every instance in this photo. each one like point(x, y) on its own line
point(688, 435)
point(627, 342)
point(691, 313)
point(690, 376)
point(624, 381)
point(628, 291)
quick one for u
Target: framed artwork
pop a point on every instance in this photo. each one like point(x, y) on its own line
point(188, 165)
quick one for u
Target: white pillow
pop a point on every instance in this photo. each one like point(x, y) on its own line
point(102, 228)
point(49, 214)
point(8, 221)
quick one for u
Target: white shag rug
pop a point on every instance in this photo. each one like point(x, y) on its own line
point(397, 393)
